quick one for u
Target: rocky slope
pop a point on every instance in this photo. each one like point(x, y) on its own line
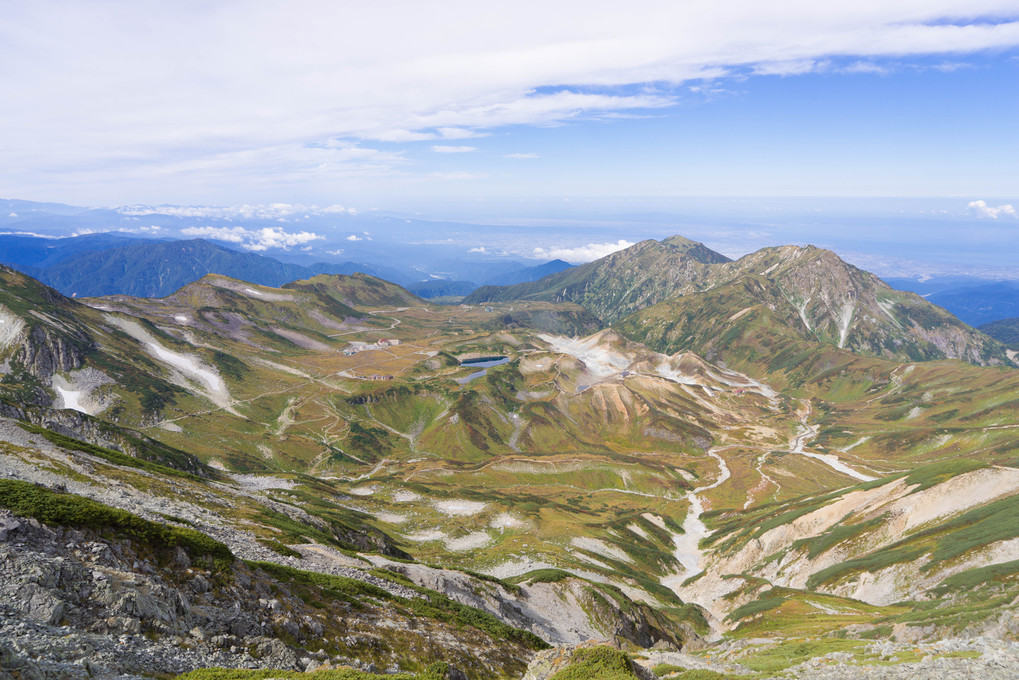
point(775, 297)
point(676, 294)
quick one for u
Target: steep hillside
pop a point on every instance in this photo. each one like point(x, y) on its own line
point(618, 284)
point(1005, 331)
point(771, 302)
point(156, 268)
point(357, 290)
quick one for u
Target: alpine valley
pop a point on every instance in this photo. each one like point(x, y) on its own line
point(663, 463)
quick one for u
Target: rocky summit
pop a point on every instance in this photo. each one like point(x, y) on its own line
point(661, 464)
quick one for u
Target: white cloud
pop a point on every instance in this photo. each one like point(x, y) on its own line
point(522, 156)
point(354, 237)
point(981, 209)
point(337, 252)
point(866, 67)
point(787, 68)
point(592, 251)
point(13, 214)
point(287, 116)
point(442, 148)
point(254, 239)
point(460, 133)
point(479, 249)
point(28, 233)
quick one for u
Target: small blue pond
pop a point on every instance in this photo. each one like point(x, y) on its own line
point(484, 363)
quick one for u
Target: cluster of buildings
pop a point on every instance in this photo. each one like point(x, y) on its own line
point(356, 347)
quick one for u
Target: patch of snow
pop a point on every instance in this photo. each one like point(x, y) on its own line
point(845, 319)
point(460, 508)
point(363, 490)
point(75, 391)
point(172, 427)
point(217, 464)
point(600, 547)
point(254, 292)
point(832, 461)
point(473, 540)
point(70, 399)
point(180, 318)
point(187, 365)
point(637, 529)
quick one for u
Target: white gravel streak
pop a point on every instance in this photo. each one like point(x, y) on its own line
point(506, 521)
point(460, 508)
point(600, 361)
point(472, 541)
point(404, 496)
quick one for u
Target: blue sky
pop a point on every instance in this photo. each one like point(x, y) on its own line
point(435, 108)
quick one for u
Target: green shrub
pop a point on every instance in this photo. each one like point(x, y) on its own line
point(66, 509)
point(436, 671)
point(598, 663)
point(431, 604)
point(971, 578)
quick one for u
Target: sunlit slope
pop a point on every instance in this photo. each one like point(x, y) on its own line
point(618, 284)
point(770, 307)
point(357, 290)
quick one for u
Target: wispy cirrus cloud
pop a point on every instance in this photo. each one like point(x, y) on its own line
point(445, 148)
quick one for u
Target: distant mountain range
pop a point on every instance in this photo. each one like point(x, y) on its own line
point(102, 264)
point(975, 301)
point(111, 264)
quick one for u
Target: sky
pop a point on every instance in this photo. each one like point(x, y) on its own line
point(504, 110)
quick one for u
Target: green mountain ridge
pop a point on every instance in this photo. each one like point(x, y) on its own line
point(618, 284)
point(778, 455)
